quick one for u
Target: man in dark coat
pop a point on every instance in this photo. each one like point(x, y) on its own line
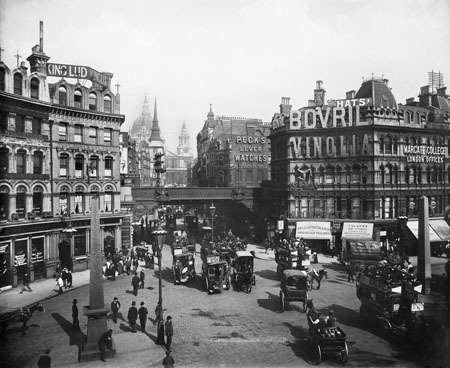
point(142, 279)
point(135, 284)
point(168, 361)
point(26, 283)
point(132, 316)
point(69, 279)
point(105, 342)
point(76, 322)
point(115, 306)
point(44, 360)
point(143, 313)
point(169, 332)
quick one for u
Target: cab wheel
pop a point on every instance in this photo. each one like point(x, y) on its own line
point(227, 287)
point(253, 280)
point(282, 304)
point(318, 354)
point(249, 288)
point(344, 354)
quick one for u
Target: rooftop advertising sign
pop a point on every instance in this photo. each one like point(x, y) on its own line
point(357, 230)
point(77, 71)
point(425, 154)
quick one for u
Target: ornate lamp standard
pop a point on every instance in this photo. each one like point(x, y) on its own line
point(212, 211)
point(402, 221)
point(159, 235)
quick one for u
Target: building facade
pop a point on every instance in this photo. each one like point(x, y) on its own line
point(60, 143)
point(232, 152)
point(363, 157)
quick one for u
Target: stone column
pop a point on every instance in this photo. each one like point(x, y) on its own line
point(423, 250)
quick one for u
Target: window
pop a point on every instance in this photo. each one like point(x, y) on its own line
point(107, 103)
point(108, 167)
point(79, 165)
point(92, 101)
point(79, 243)
point(36, 126)
point(79, 199)
point(37, 162)
point(329, 175)
point(93, 134)
point(78, 137)
point(63, 165)
point(21, 162)
point(4, 202)
point(93, 167)
point(108, 201)
point(63, 132)
point(21, 206)
point(20, 124)
point(4, 162)
point(107, 136)
point(34, 88)
point(2, 79)
point(64, 202)
point(18, 84)
point(37, 200)
point(78, 99)
point(62, 95)
point(388, 146)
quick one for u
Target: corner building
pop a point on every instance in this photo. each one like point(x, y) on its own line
point(59, 143)
point(363, 158)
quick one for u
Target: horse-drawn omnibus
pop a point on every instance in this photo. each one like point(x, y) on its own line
point(243, 271)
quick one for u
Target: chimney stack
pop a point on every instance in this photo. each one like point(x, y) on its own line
point(41, 36)
point(285, 106)
point(350, 94)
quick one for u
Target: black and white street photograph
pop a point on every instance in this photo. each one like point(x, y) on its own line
point(224, 183)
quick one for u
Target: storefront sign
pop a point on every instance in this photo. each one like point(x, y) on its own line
point(4, 248)
point(251, 149)
point(313, 230)
point(357, 230)
point(425, 154)
point(77, 71)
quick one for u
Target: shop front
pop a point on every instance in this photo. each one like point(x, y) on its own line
point(316, 234)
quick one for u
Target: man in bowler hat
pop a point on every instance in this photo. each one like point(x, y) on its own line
point(143, 313)
point(132, 316)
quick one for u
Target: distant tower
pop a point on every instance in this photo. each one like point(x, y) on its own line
point(155, 134)
point(319, 94)
point(142, 126)
point(184, 148)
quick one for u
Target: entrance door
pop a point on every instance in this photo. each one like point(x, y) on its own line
point(65, 255)
point(5, 279)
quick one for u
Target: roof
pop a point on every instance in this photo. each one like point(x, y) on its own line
point(289, 273)
point(243, 253)
point(378, 90)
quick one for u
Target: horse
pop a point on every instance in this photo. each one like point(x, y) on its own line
point(313, 274)
point(20, 315)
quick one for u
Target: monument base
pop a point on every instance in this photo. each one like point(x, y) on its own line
point(97, 326)
point(91, 352)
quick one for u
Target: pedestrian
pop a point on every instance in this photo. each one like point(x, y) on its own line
point(105, 342)
point(76, 322)
point(58, 270)
point(115, 306)
point(113, 269)
point(44, 360)
point(168, 361)
point(157, 313)
point(142, 279)
point(60, 284)
point(331, 319)
point(132, 316)
point(143, 313)
point(135, 264)
point(128, 265)
point(69, 278)
point(26, 283)
point(169, 332)
point(135, 284)
point(350, 272)
point(64, 277)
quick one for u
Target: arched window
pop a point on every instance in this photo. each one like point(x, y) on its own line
point(4, 203)
point(109, 195)
point(79, 166)
point(364, 174)
point(4, 162)
point(395, 146)
point(37, 200)
point(93, 167)
point(329, 175)
point(64, 201)
point(2, 79)
point(388, 146)
point(356, 174)
point(92, 101)
point(78, 99)
point(37, 162)
point(388, 174)
point(107, 106)
point(108, 167)
point(62, 95)
point(21, 160)
point(381, 145)
point(34, 88)
point(21, 202)
point(18, 79)
point(64, 165)
point(79, 199)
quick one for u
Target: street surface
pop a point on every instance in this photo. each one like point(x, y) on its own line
point(230, 329)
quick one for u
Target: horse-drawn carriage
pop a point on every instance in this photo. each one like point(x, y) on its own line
point(19, 315)
point(243, 275)
point(215, 272)
point(289, 255)
point(183, 264)
point(329, 341)
point(294, 288)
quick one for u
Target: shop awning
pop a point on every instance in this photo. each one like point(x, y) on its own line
point(313, 230)
point(357, 231)
point(414, 227)
point(441, 228)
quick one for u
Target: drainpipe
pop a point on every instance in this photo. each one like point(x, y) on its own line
point(51, 163)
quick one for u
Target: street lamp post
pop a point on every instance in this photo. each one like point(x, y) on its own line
point(402, 220)
point(160, 235)
point(212, 211)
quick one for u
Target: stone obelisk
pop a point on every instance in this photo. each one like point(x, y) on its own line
point(423, 249)
point(95, 311)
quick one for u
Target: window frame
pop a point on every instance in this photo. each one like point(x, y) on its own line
point(63, 131)
point(64, 165)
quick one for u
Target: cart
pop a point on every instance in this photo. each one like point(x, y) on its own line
point(294, 288)
point(215, 272)
point(329, 341)
point(183, 265)
point(243, 270)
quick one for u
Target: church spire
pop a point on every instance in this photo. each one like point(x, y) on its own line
point(156, 132)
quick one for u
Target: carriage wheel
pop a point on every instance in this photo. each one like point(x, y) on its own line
point(318, 353)
point(249, 288)
point(344, 354)
point(282, 301)
point(253, 280)
point(227, 287)
point(207, 286)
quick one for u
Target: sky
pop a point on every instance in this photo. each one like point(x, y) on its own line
point(241, 56)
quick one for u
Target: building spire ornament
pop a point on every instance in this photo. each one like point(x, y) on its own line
point(156, 132)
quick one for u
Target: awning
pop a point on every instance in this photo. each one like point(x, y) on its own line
point(313, 230)
point(414, 227)
point(441, 228)
point(357, 231)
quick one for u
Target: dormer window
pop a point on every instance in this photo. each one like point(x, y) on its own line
point(78, 99)
point(62, 95)
point(92, 101)
point(107, 104)
point(34, 88)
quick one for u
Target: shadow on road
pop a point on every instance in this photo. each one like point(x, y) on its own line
point(268, 274)
point(346, 316)
point(77, 338)
point(272, 303)
point(301, 347)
